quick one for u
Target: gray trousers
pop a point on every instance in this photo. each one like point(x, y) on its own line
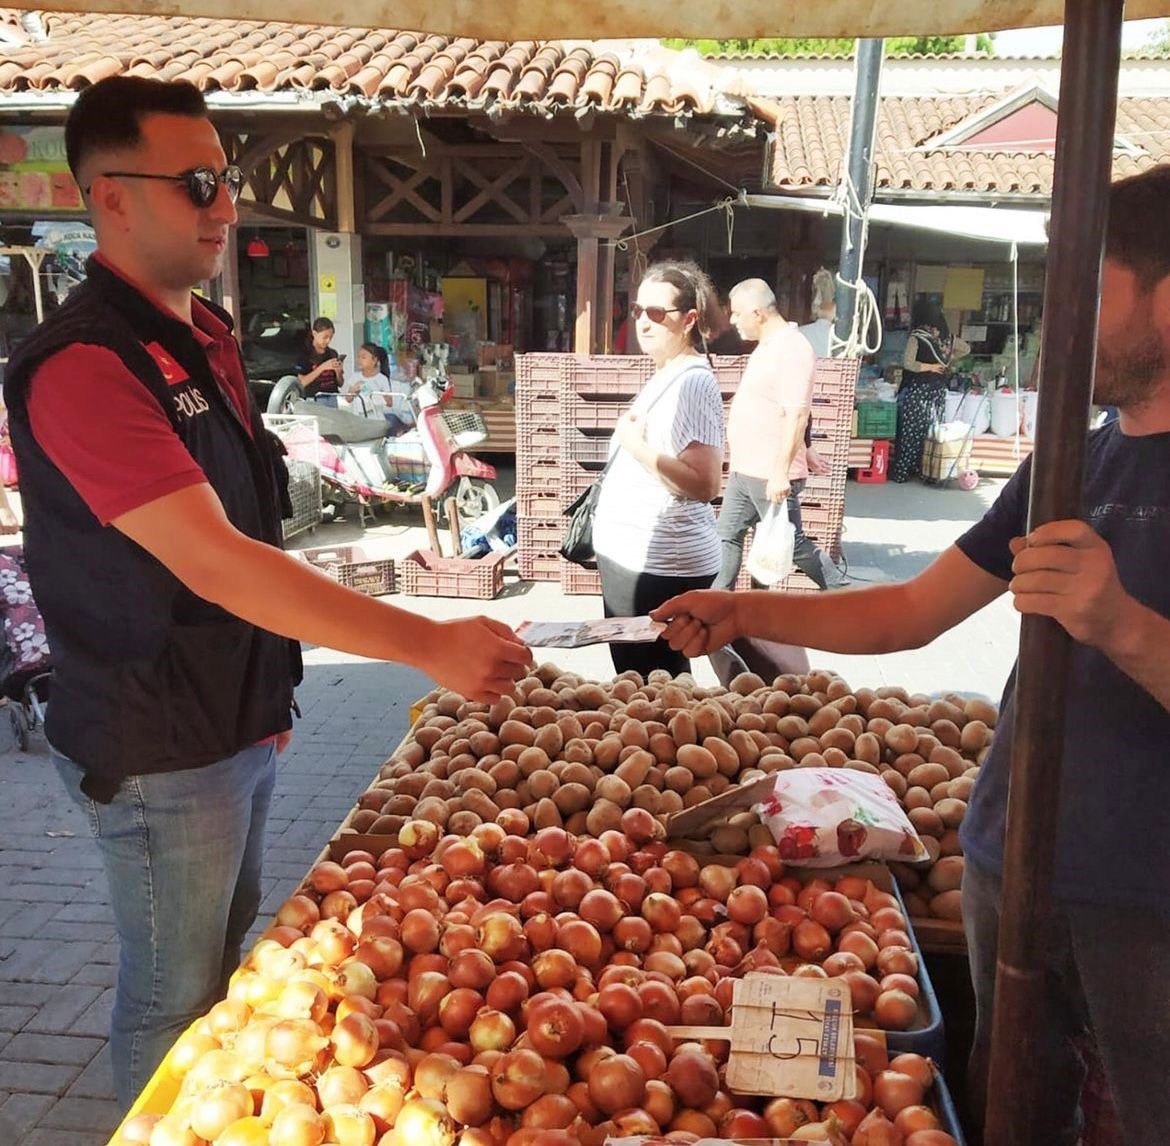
point(744, 504)
point(1106, 976)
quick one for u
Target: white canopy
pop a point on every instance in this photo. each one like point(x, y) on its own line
point(996, 224)
point(558, 19)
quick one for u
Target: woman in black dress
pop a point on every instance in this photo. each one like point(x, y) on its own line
point(925, 366)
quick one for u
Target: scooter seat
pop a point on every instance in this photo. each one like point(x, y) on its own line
point(333, 422)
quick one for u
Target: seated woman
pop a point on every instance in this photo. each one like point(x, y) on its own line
point(319, 368)
point(383, 395)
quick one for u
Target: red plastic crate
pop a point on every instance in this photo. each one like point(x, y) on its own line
point(536, 566)
point(348, 565)
point(576, 580)
point(538, 473)
point(583, 414)
point(607, 375)
point(879, 464)
point(584, 448)
point(426, 574)
point(539, 502)
point(541, 534)
point(575, 480)
point(540, 372)
point(537, 439)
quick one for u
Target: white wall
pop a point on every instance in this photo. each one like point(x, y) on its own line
point(338, 257)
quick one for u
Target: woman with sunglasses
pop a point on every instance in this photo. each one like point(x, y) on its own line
point(654, 530)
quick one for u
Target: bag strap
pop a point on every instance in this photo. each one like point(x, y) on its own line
point(653, 402)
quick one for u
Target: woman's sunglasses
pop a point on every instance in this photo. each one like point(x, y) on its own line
point(200, 183)
point(656, 314)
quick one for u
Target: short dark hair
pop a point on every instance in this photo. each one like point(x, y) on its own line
point(108, 115)
point(320, 324)
point(692, 291)
point(1138, 233)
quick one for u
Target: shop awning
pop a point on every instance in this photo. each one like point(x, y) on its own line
point(994, 224)
point(558, 19)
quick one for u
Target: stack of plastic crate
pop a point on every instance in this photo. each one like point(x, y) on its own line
point(597, 389)
point(540, 525)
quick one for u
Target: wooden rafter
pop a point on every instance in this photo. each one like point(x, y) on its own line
point(287, 176)
point(492, 191)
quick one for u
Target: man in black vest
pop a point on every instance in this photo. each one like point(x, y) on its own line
point(151, 497)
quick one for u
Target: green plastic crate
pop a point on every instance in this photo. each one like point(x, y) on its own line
point(877, 419)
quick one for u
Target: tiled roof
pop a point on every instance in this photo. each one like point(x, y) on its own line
point(812, 135)
point(389, 66)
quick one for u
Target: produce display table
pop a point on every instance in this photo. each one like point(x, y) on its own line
point(479, 833)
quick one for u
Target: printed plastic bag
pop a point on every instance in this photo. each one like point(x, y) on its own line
point(770, 558)
point(823, 817)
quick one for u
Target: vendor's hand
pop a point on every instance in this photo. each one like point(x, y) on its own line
point(816, 464)
point(476, 657)
point(631, 430)
point(1065, 571)
point(699, 622)
point(8, 521)
point(777, 490)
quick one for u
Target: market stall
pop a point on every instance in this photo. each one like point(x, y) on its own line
point(541, 925)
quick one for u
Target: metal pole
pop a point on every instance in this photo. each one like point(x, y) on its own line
point(1084, 153)
point(859, 191)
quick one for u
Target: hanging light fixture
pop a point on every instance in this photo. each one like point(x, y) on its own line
point(257, 248)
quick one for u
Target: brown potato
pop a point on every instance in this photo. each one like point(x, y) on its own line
point(961, 788)
point(840, 738)
point(698, 759)
point(917, 798)
point(614, 789)
point(907, 763)
point(708, 721)
point(802, 747)
point(868, 747)
point(949, 842)
point(513, 732)
point(926, 821)
point(949, 759)
point(792, 727)
point(895, 781)
point(776, 704)
point(948, 905)
point(947, 732)
point(973, 736)
point(570, 798)
point(648, 797)
point(729, 840)
point(902, 738)
point(803, 705)
point(836, 758)
point(927, 775)
point(951, 811)
point(746, 683)
point(662, 747)
point(751, 722)
point(745, 747)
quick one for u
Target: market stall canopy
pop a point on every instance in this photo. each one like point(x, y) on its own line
point(997, 224)
point(515, 19)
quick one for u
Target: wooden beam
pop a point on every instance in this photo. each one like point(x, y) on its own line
point(403, 190)
point(561, 170)
point(466, 230)
point(492, 190)
point(343, 180)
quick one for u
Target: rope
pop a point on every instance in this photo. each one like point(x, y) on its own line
point(866, 315)
point(726, 205)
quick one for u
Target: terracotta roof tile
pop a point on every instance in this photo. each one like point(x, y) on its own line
point(382, 64)
point(811, 133)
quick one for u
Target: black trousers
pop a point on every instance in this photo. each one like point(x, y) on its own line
point(628, 594)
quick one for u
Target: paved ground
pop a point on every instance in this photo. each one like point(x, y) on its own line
point(57, 949)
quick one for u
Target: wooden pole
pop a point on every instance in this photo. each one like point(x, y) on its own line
point(342, 136)
point(1084, 155)
point(431, 527)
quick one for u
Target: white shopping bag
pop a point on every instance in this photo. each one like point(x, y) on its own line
point(770, 559)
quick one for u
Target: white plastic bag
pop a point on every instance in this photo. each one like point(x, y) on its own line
point(823, 817)
point(770, 559)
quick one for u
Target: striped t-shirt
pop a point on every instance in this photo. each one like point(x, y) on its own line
point(640, 524)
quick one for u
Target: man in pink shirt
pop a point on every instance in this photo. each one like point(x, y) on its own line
point(765, 433)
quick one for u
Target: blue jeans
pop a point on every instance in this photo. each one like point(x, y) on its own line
point(182, 853)
point(1107, 979)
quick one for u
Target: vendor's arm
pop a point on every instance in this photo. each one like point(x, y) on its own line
point(189, 533)
point(1065, 570)
point(884, 619)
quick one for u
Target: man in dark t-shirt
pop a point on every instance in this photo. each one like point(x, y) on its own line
point(1103, 577)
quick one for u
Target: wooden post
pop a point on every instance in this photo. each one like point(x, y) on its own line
point(452, 506)
point(590, 231)
point(432, 529)
point(1084, 154)
point(342, 136)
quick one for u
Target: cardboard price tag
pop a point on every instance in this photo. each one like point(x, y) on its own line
point(790, 1038)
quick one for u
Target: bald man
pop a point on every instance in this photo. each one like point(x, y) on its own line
point(765, 433)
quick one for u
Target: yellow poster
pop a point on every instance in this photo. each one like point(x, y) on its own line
point(963, 289)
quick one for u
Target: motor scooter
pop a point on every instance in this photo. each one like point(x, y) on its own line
point(363, 463)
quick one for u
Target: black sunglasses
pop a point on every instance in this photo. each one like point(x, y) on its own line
point(656, 314)
point(201, 183)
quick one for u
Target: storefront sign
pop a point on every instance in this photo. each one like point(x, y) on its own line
point(34, 175)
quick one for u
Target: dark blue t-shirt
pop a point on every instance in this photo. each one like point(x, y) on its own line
point(1113, 842)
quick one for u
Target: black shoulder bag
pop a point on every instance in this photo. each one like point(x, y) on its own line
point(577, 545)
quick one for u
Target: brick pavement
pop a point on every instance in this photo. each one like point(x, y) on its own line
point(57, 949)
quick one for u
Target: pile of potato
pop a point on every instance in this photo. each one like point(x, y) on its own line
point(572, 753)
